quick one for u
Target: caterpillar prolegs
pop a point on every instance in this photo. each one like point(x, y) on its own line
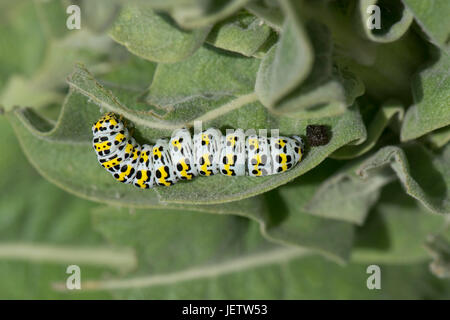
point(183, 157)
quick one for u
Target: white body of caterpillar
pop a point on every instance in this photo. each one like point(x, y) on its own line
point(184, 157)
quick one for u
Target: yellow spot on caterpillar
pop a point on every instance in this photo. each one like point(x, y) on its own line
point(120, 137)
point(144, 178)
point(177, 144)
point(129, 148)
point(164, 175)
point(144, 156)
point(102, 146)
point(124, 174)
point(111, 163)
point(205, 164)
point(231, 140)
point(230, 162)
point(113, 121)
point(281, 142)
point(135, 154)
point(185, 167)
point(283, 161)
point(254, 143)
point(205, 138)
point(157, 153)
point(98, 125)
point(256, 166)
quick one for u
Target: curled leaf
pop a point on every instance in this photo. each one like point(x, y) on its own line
point(285, 65)
point(210, 73)
point(72, 137)
point(345, 196)
point(431, 100)
point(424, 176)
point(380, 121)
point(242, 33)
point(154, 36)
point(390, 29)
point(432, 17)
point(438, 247)
point(395, 231)
point(197, 14)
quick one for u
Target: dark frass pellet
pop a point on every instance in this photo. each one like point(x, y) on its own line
point(318, 135)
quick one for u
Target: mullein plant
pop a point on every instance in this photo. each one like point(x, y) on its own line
point(366, 84)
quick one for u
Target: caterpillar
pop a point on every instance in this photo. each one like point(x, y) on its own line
point(184, 157)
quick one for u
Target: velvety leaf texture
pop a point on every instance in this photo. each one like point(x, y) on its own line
point(364, 83)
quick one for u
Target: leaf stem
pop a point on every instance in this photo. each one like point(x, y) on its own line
point(230, 106)
point(114, 258)
point(209, 271)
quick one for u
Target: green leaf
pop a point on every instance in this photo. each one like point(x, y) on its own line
point(205, 262)
point(374, 130)
point(424, 175)
point(345, 128)
point(43, 230)
point(99, 15)
point(210, 73)
point(288, 221)
point(395, 20)
point(281, 218)
point(242, 33)
point(269, 11)
point(25, 228)
point(438, 246)
point(387, 73)
point(431, 100)
point(44, 87)
point(327, 90)
point(33, 69)
point(285, 65)
point(439, 138)
point(155, 36)
point(432, 17)
point(345, 196)
point(396, 230)
point(72, 135)
point(259, 64)
point(349, 194)
point(20, 57)
point(197, 14)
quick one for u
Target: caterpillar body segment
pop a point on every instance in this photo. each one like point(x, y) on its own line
point(165, 174)
point(207, 146)
point(233, 154)
point(182, 153)
point(259, 159)
point(144, 170)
